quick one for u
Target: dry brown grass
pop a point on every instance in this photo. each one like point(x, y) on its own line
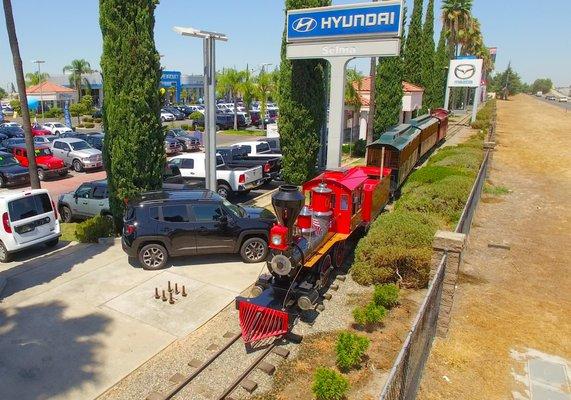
point(518, 298)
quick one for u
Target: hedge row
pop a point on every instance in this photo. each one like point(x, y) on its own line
point(398, 246)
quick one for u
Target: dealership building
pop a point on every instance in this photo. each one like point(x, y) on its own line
point(174, 82)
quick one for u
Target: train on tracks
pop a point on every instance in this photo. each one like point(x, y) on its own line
point(309, 241)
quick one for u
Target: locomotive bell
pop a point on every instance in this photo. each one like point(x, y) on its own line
point(287, 202)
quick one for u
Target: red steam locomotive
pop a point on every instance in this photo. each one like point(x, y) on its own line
point(309, 241)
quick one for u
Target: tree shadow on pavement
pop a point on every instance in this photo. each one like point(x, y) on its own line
point(44, 269)
point(45, 353)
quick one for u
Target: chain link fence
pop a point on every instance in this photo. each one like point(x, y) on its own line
point(404, 378)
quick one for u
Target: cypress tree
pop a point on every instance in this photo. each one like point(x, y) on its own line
point(134, 141)
point(388, 90)
point(388, 94)
point(413, 47)
point(427, 59)
point(441, 63)
point(301, 97)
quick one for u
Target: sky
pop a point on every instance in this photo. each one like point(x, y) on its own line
point(533, 35)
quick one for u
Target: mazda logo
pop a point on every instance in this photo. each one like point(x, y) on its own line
point(464, 71)
point(304, 24)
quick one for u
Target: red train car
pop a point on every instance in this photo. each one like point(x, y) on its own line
point(308, 243)
point(442, 115)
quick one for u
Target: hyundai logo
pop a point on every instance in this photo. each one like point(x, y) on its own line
point(304, 24)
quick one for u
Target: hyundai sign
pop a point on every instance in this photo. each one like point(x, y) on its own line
point(352, 21)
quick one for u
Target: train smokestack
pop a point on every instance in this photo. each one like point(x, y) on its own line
point(287, 203)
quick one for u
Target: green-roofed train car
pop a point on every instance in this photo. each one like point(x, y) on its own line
point(428, 126)
point(401, 144)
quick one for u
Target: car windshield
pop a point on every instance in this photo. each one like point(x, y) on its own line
point(43, 152)
point(80, 145)
point(236, 210)
point(6, 161)
point(58, 126)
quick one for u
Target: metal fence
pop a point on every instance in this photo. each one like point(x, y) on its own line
point(404, 378)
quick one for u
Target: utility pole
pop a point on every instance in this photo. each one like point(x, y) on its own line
point(38, 63)
point(209, 42)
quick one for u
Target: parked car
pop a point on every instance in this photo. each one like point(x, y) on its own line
point(172, 146)
point(45, 139)
point(258, 149)
point(231, 181)
point(96, 140)
point(37, 130)
point(77, 153)
point(178, 115)
point(10, 142)
point(166, 116)
point(274, 143)
point(56, 128)
point(238, 157)
point(550, 97)
point(88, 200)
point(164, 224)
point(187, 142)
point(48, 164)
point(563, 99)
point(17, 125)
point(186, 110)
point(29, 219)
point(75, 135)
point(11, 172)
point(226, 121)
point(12, 131)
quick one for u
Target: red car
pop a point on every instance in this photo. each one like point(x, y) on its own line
point(38, 131)
point(48, 164)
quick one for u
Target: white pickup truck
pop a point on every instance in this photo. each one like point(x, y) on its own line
point(231, 181)
point(258, 149)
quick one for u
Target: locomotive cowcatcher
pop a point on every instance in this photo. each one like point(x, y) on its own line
point(308, 243)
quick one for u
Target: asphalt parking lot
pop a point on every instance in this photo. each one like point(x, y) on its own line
point(80, 318)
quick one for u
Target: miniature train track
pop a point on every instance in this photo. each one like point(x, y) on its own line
point(457, 127)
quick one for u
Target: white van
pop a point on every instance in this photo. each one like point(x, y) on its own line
point(28, 218)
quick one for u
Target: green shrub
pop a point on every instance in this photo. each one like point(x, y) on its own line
point(80, 126)
point(87, 119)
point(431, 174)
point(356, 149)
point(97, 120)
point(386, 295)
point(187, 127)
point(381, 265)
point(369, 315)
point(54, 112)
point(445, 198)
point(199, 128)
point(196, 116)
point(89, 124)
point(94, 228)
point(329, 385)
point(350, 349)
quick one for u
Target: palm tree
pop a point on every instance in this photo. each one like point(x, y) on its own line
point(35, 78)
point(457, 21)
point(78, 68)
point(229, 83)
point(265, 87)
point(18, 70)
point(352, 98)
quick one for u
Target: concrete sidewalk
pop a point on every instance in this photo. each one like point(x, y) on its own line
point(75, 322)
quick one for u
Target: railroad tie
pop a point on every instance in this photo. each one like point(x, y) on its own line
point(154, 396)
point(267, 367)
point(280, 351)
point(249, 385)
point(195, 363)
point(228, 335)
point(177, 378)
point(212, 347)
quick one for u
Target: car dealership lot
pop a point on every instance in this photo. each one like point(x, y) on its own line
point(80, 318)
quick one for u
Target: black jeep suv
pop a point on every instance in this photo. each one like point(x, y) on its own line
point(161, 224)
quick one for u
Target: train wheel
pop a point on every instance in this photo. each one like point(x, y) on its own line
point(324, 270)
point(339, 253)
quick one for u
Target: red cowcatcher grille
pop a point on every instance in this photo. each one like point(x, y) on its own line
point(259, 322)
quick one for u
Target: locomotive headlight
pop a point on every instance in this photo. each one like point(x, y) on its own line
point(276, 240)
point(281, 265)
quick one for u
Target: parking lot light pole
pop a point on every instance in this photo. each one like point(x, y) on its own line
point(209, 40)
point(39, 62)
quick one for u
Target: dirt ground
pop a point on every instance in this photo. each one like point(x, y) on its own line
point(511, 300)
